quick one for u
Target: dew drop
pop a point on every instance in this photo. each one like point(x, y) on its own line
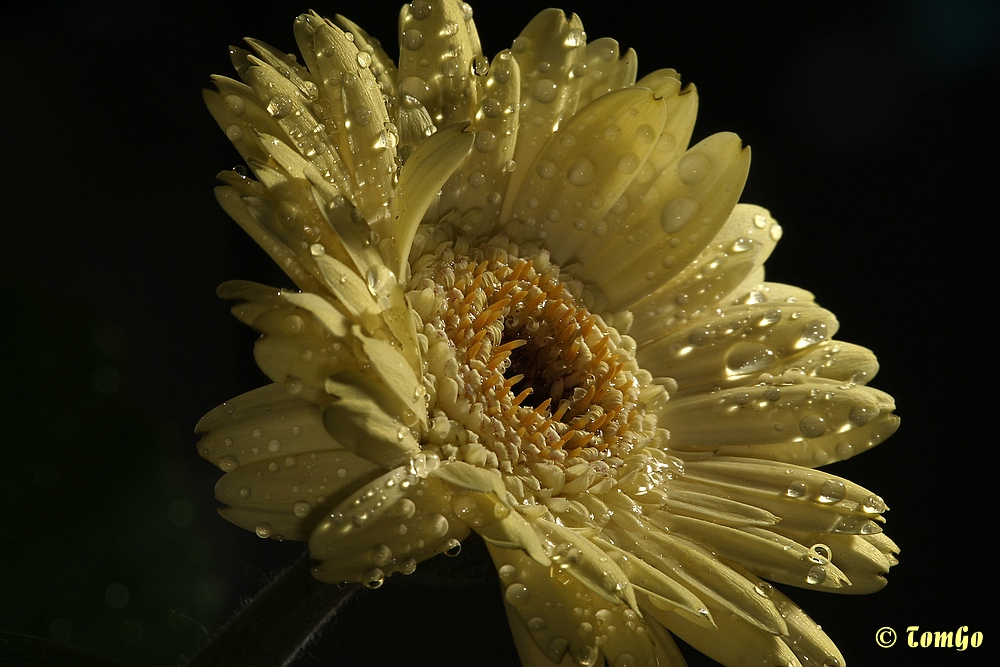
point(408, 566)
point(516, 595)
point(236, 104)
point(373, 577)
point(228, 463)
point(545, 90)
point(816, 574)
point(628, 163)
point(492, 107)
point(575, 37)
point(420, 9)
point(413, 39)
point(796, 490)
point(833, 490)
point(581, 172)
point(812, 426)
point(301, 509)
point(274, 445)
point(546, 168)
point(536, 624)
point(279, 106)
point(693, 167)
point(813, 332)
point(245, 492)
point(744, 358)
point(381, 555)
point(234, 133)
point(485, 141)
point(406, 508)
point(437, 525)
point(677, 214)
point(625, 660)
point(452, 548)
point(586, 655)
point(263, 530)
point(860, 415)
point(823, 551)
point(556, 649)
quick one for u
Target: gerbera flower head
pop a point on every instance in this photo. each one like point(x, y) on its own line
point(525, 308)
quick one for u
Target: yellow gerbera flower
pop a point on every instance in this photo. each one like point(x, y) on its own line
point(505, 269)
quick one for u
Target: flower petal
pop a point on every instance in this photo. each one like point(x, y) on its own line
point(664, 592)
point(387, 526)
point(741, 246)
point(584, 168)
point(361, 419)
point(677, 218)
point(733, 643)
point(437, 46)
point(607, 70)
point(475, 189)
point(549, 52)
point(420, 180)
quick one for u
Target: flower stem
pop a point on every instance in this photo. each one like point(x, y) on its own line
point(274, 626)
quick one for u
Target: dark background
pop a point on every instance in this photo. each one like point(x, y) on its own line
point(874, 144)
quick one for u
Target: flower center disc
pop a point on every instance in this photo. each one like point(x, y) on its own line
point(518, 359)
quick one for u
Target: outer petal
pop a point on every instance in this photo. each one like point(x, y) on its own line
point(584, 168)
point(680, 214)
point(438, 43)
point(389, 525)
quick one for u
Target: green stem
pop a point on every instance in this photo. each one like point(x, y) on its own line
point(278, 623)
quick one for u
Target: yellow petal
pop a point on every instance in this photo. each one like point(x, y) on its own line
point(362, 424)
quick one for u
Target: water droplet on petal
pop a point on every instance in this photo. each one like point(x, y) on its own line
point(381, 555)
point(437, 525)
point(279, 106)
point(628, 163)
point(816, 574)
point(236, 104)
point(813, 332)
point(745, 358)
point(516, 595)
point(860, 415)
point(796, 489)
point(412, 39)
point(546, 168)
point(228, 463)
point(301, 509)
point(677, 214)
point(263, 530)
point(812, 426)
point(452, 548)
point(420, 9)
point(485, 141)
point(693, 167)
point(492, 107)
point(545, 90)
point(373, 578)
point(581, 172)
point(833, 490)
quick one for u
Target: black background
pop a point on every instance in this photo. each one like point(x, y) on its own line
point(874, 144)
